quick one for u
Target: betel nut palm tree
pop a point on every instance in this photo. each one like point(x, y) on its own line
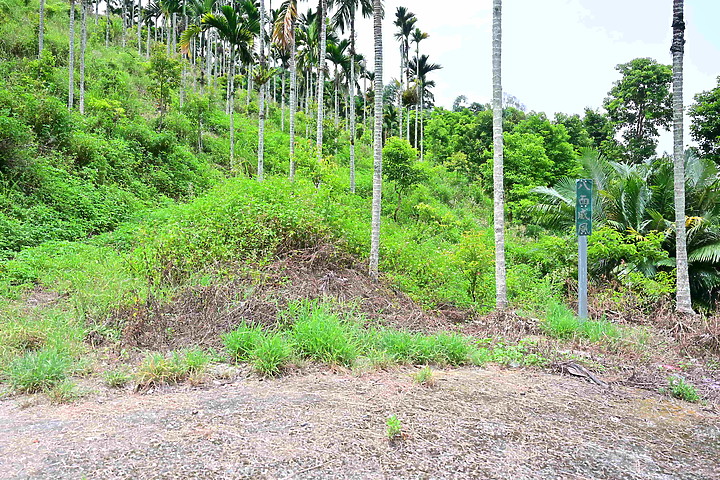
point(322, 16)
point(284, 35)
point(377, 142)
point(683, 302)
point(498, 189)
point(231, 27)
point(345, 18)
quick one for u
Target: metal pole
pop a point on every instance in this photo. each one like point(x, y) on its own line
point(582, 277)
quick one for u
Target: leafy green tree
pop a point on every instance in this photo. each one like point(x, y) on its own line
point(555, 142)
point(601, 132)
point(400, 167)
point(577, 133)
point(705, 127)
point(639, 104)
point(164, 72)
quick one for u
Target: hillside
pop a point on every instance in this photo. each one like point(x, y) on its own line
point(141, 254)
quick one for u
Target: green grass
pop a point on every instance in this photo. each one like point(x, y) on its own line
point(172, 368)
point(65, 391)
point(39, 371)
point(313, 331)
point(117, 378)
point(271, 354)
point(241, 342)
point(321, 335)
point(425, 376)
point(561, 322)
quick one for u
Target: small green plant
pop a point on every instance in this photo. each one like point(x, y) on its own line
point(321, 335)
point(173, 368)
point(425, 376)
point(679, 388)
point(196, 360)
point(117, 378)
point(560, 321)
point(393, 427)
point(271, 354)
point(64, 392)
point(39, 371)
point(241, 342)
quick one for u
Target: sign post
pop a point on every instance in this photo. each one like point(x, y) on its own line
point(583, 228)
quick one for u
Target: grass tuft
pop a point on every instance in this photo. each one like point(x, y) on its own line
point(241, 342)
point(321, 335)
point(425, 376)
point(271, 354)
point(39, 371)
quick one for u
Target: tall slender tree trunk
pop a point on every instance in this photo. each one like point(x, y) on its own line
point(123, 14)
point(107, 25)
point(377, 143)
point(97, 10)
point(352, 102)
point(337, 101)
point(41, 28)
point(261, 98)
point(498, 178)
point(683, 299)
point(293, 98)
point(147, 41)
point(139, 27)
point(321, 77)
point(419, 91)
point(83, 48)
point(400, 79)
point(231, 105)
point(282, 102)
point(71, 57)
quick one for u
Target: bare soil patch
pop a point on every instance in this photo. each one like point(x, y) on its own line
point(476, 423)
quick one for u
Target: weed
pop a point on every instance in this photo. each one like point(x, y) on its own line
point(679, 388)
point(241, 342)
point(39, 371)
point(196, 360)
point(425, 376)
point(321, 335)
point(560, 321)
point(159, 368)
point(64, 392)
point(271, 354)
point(117, 378)
point(393, 427)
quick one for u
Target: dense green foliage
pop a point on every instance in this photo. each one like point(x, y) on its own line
point(705, 127)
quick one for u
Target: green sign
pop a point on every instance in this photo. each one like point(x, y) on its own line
point(583, 207)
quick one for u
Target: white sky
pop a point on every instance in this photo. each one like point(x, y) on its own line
point(558, 55)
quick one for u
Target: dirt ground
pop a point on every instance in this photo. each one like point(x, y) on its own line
point(474, 423)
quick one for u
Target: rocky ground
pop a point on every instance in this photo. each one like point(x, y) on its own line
point(474, 423)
